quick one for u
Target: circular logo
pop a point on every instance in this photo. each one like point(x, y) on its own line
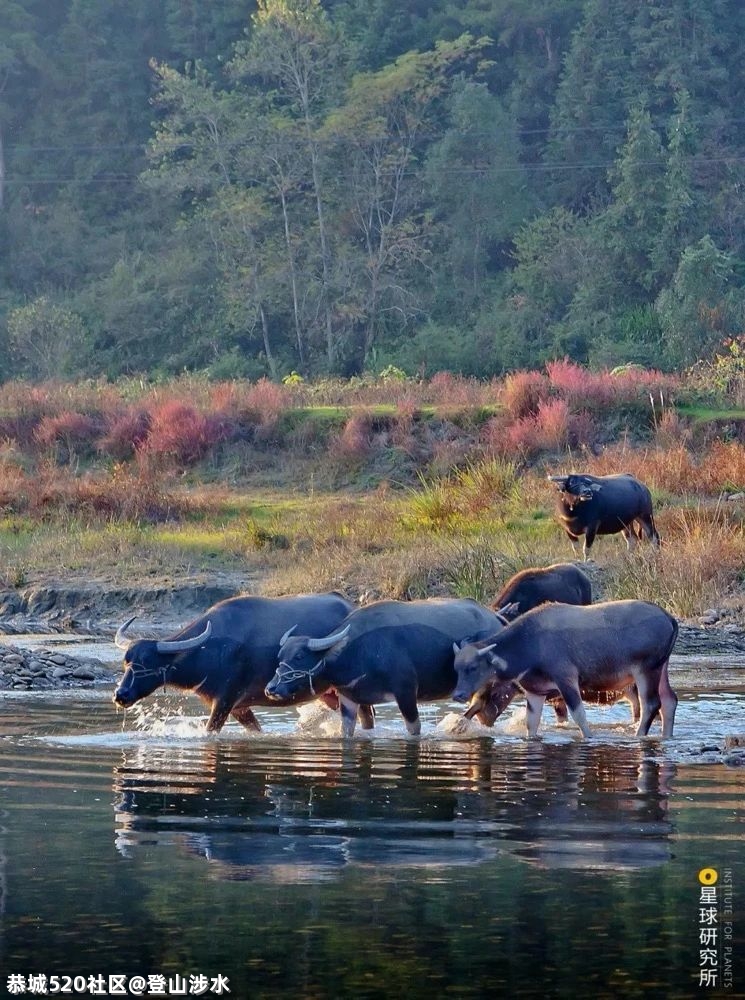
point(708, 876)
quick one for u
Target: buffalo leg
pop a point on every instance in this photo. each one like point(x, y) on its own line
point(533, 712)
point(348, 710)
point(366, 715)
point(669, 700)
point(407, 705)
point(573, 539)
point(218, 716)
point(574, 703)
point(647, 527)
point(632, 696)
point(647, 685)
point(587, 545)
point(630, 536)
point(560, 708)
point(247, 719)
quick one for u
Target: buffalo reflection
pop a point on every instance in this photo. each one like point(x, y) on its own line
point(291, 811)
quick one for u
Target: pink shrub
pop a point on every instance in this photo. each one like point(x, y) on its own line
point(552, 424)
point(268, 399)
point(124, 434)
point(522, 392)
point(583, 430)
point(581, 387)
point(179, 433)
point(355, 441)
point(69, 432)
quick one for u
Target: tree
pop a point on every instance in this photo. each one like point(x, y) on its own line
point(702, 305)
point(383, 128)
point(478, 196)
point(46, 339)
point(294, 49)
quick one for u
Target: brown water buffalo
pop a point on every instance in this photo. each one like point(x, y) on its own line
point(563, 649)
point(561, 582)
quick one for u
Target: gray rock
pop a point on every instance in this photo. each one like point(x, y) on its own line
point(84, 674)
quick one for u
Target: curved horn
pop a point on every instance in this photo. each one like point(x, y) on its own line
point(328, 641)
point(486, 649)
point(181, 645)
point(120, 641)
point(286, 636)
point(507, 612)
point(557, 479)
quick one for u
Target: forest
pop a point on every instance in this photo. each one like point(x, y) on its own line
point(242, 189)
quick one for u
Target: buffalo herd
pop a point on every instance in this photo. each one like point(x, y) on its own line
point(542, 636)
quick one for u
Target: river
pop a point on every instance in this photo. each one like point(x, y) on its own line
point(293, 863)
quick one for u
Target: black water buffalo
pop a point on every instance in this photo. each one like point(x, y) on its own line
point(228, 654)
point(398, 651)
point(562, 582)
point(563, 648)
point(603, 505)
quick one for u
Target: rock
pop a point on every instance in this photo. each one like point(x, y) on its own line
point(59, 673)
point(84, 674)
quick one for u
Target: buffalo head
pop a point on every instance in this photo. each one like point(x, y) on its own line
point(477, 666)
point(575, 488)
point(300, 666)
point(147, 662)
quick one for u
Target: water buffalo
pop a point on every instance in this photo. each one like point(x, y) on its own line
point(603, 505)
point(398, 651)
point(563, 648)
point(562, 582)
point(228, 654)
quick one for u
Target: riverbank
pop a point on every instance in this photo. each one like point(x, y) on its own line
point(62, 636)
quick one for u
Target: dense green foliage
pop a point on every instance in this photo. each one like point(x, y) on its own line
point(255, 188)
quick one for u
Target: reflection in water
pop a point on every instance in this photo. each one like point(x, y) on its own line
point(287, 811)
point(310, 867)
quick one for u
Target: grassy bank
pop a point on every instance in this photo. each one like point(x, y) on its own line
point(385, 487)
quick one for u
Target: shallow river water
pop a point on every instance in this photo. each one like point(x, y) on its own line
point(295, 864)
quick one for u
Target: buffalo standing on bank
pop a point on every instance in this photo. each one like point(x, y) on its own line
point(604, 505)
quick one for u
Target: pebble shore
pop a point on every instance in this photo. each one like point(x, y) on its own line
point(40, 669)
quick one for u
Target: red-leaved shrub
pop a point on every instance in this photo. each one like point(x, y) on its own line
point(68, 433)
point(124, 434)
point(355, 441)
point(522, 392)
point(179, 434)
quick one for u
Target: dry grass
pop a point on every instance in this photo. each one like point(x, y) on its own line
point(110, 480)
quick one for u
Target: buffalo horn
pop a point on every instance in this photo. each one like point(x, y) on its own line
point(120, 641)
point(505, 613)
point(316, 645)
point(486, 649)
point(557, 479)
point(286, 636)
point(181, 645)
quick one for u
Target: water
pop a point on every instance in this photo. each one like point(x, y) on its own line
point(296, 864)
